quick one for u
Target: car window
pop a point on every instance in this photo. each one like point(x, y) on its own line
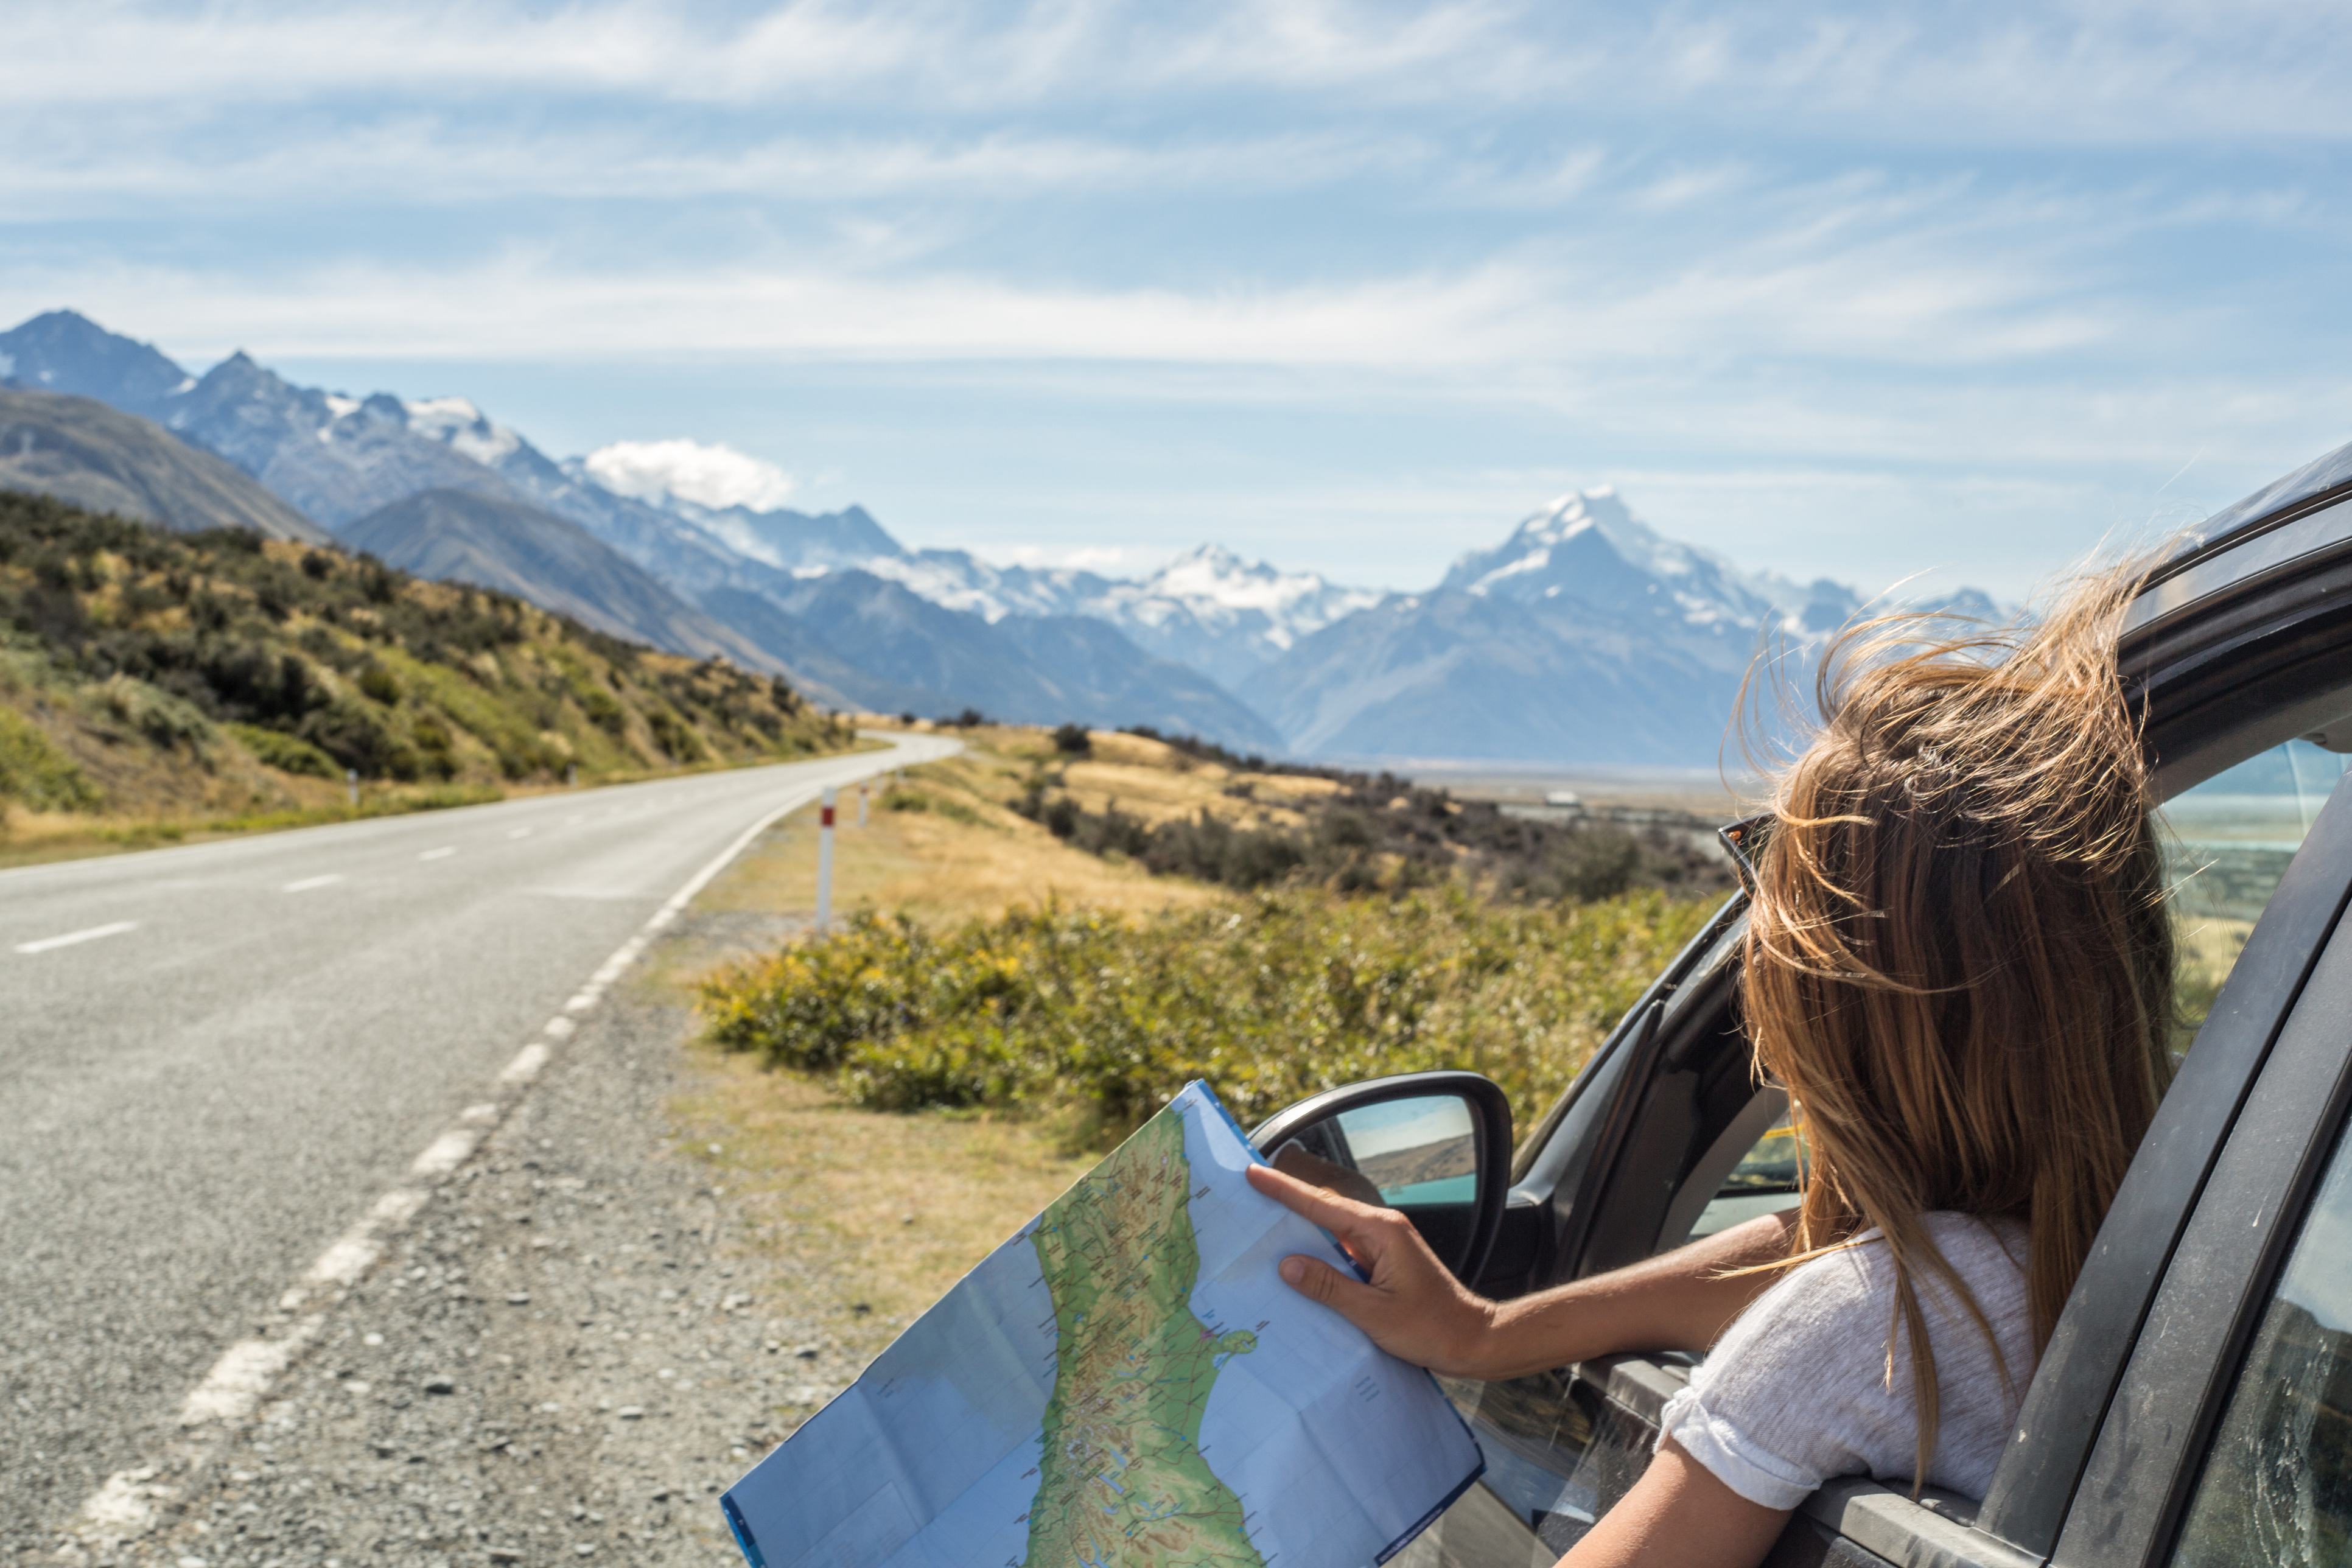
point(2277, 1487)
point(2227, 843)
point(1766, 1181)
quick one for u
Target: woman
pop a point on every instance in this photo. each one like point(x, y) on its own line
point(1958, 964)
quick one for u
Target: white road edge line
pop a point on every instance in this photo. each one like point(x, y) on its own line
point(441, 854)
point(307, 883)
point(239, 1380)
point(50, 943)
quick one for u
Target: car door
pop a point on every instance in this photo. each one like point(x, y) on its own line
point(1658, 1139)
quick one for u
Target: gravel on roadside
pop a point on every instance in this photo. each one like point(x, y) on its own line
point(565, 1357)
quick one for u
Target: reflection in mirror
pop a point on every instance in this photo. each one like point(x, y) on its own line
point(1420, 1150)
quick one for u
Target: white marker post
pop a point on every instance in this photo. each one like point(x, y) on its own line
point(825, 861)
point(861, 804)
point(352, 783)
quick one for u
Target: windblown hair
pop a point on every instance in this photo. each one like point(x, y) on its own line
point(1959, 961)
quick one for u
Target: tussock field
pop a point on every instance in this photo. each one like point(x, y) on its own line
point(1021, 971)
point(999, 1001)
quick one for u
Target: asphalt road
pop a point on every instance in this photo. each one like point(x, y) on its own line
point(197, 1102)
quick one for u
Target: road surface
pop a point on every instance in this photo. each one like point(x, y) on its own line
point(214, 1058)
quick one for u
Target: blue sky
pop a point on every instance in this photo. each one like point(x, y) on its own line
point(1859, 290)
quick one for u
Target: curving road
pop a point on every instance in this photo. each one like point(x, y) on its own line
point(214, 1058)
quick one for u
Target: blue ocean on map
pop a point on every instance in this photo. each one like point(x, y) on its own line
point(930, 1458)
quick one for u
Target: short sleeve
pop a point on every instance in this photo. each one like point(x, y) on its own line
point(1795, 1393)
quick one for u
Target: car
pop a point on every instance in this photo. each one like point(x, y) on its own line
point(2194, 1405)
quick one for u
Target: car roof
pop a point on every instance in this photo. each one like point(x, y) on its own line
point(2269, 533)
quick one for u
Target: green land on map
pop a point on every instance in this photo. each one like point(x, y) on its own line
point(1123, 1480)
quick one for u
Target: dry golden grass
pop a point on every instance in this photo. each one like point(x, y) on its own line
point(963, 856)
point(1156, 782)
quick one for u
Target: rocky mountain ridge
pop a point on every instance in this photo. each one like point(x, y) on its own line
point(1584, 636)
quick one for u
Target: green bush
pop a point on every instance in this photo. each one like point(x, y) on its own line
point(287, 754)
point(34, 770)
point(1269, 1000)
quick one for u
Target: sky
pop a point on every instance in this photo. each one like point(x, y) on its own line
point(1855, 290)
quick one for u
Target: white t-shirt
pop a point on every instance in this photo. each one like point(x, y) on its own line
point(1796, 1392)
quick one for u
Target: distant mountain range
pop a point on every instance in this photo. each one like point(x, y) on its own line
point(1584, 636)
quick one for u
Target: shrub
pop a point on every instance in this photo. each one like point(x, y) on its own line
point(1269, 1000)
point(380, 684)
point(34, 770)
point(1073, 740)
point(287, 754)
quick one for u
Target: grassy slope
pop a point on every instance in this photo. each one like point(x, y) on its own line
point(153, 685)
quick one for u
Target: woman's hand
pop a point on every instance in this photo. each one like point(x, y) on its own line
point(1412, 1307)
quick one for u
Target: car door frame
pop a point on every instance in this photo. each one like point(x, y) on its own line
point(2247, 660)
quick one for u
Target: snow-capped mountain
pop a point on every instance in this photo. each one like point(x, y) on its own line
point(1588, 546)
point(1583, 636)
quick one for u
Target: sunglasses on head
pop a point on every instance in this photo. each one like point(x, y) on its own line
point(1744, 842)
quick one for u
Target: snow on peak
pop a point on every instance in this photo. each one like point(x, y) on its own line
point(455, 422)
point(706, 475)
point(1213, 583)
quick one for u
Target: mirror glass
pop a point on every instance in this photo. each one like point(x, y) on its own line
point(1419, 1151)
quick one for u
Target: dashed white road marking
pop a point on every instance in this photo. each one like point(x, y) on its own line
point(307, 883)
point(50, 943)
point(519, 833)
point(243, 1374)
point(526, 1064)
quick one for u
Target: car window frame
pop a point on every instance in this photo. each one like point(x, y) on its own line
point(2085, 1362)
point(2186, 1356)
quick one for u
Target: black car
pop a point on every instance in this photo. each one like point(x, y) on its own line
point(2195, 1403)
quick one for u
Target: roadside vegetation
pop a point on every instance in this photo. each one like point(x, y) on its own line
point(1269, 998)
point(154, 685)
point(1279, 825)
point(1403, 931)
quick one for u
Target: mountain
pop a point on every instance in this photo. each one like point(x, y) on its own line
point(1583, 637)
point(1028, 670)
point(85, 453)
point(62, 352)
point(452, 535)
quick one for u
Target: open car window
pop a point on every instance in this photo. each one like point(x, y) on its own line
point(2227, 843)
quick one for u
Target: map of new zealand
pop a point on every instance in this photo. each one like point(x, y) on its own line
point(1125, 1382)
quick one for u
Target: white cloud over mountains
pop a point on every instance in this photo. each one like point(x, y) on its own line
point(711, 475)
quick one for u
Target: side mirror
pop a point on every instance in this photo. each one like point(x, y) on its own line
point(1435, 1146)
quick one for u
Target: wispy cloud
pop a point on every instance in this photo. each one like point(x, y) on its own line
point(2090, 71)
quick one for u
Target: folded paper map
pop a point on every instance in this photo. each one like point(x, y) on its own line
point(1125, 1382)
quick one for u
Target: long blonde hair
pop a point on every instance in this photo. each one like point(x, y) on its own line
point(1959, 961)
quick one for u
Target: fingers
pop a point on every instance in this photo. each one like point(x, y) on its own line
point(1293, 1160)
point(1318, 1281)
point(1336, 1214)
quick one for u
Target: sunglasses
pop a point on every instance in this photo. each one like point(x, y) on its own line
point(1744, 842)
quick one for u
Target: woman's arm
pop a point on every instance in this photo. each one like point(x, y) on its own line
point(1679, 1515)
point(1413, 1308)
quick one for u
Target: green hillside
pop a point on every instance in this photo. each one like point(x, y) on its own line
point(205, 681)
